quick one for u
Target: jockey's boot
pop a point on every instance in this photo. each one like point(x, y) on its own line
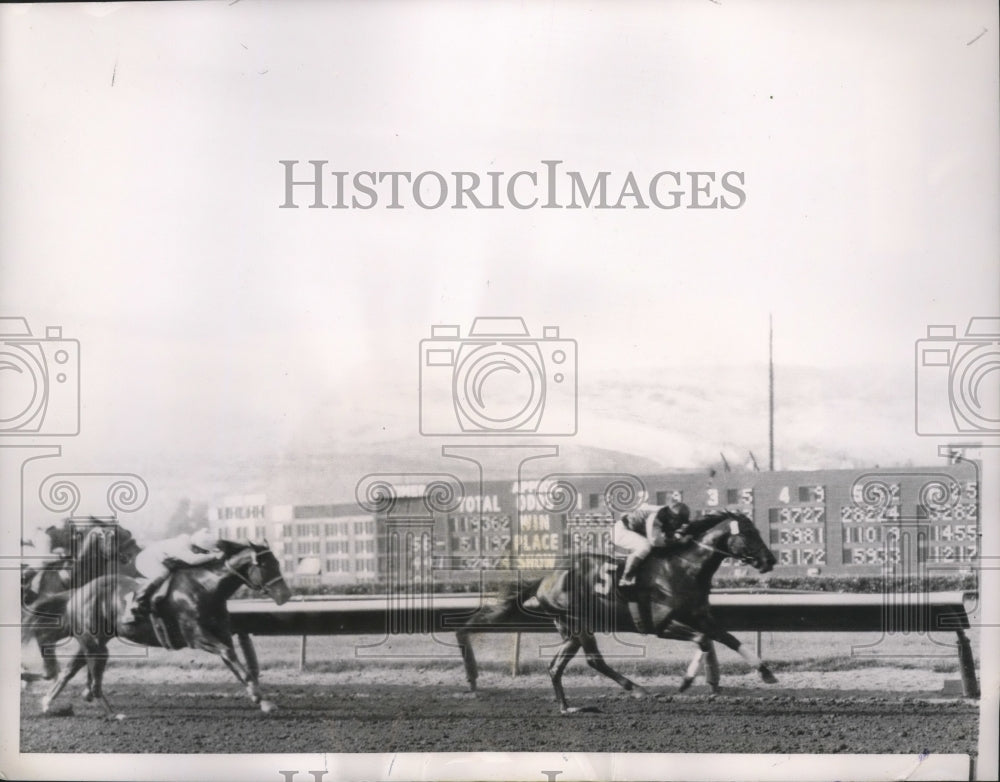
point(138, 609)
point(631, 565)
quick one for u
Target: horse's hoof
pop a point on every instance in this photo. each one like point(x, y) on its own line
point(567, 710)
point(767, 676)
point(716, 689)
point(87, 694)
point(685, 683)
point(118, 717)
point(639, 693)
point(62, 711)
point(268, 706)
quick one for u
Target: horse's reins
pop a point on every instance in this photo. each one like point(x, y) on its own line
point(734, 529)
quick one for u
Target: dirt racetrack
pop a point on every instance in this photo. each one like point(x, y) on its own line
point(205, 712)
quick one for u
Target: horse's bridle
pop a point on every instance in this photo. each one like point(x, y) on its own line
point(733, 531)
point(253, 562)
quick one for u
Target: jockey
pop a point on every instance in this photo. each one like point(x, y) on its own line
point(158, 560)
point(646, 527)
point(40, 545)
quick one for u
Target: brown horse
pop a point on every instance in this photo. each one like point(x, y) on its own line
point(96, 548)
point(585, 599)
point(193, 614)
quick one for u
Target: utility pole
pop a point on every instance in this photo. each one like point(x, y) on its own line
point(770, 392)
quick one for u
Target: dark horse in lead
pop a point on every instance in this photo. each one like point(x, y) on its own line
point(585, 599)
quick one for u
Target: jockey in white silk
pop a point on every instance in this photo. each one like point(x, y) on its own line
point(159, 559)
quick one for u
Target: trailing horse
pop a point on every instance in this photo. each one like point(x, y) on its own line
point(97, 548)
point(192, 614)
point(585, 599)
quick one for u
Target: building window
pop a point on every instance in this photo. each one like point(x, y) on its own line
point(312, 511)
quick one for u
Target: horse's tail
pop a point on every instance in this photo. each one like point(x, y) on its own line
point(510, 600)
point(516, 593)
point(47, 616)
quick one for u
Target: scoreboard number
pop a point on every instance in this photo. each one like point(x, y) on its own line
point(712, 498)
point(815, 494)
point(739, 497)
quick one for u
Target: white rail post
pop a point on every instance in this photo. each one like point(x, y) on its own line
point(302, 654)
point(515, 663)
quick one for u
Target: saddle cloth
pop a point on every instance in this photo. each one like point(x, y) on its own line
point(164, 624)
point(637, 598)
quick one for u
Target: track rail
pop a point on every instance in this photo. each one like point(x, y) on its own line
point(917, 612)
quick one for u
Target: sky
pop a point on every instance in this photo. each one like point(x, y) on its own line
point(141, 185)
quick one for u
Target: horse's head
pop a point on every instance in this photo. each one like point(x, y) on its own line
point(737, 536)
point(128, 547)
point(107, 542)
point(257, 566)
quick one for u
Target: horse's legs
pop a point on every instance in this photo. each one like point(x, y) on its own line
point(78, 661)
point(97, 661)
point(468, 657)
point(228, 654)
point(49, 664)
point(692, 669)
point(487, 615)
point(712, 668)
point(596, 661)
point(88, 689)
point(705, 655)
point(571, 645)
point(249, 656)
point(727, 639)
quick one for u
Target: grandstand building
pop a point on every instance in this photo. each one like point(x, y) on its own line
point(315, 544)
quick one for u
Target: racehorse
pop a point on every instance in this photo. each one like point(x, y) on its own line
point(97, 548)
point(193, 614)
point(585, 599)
